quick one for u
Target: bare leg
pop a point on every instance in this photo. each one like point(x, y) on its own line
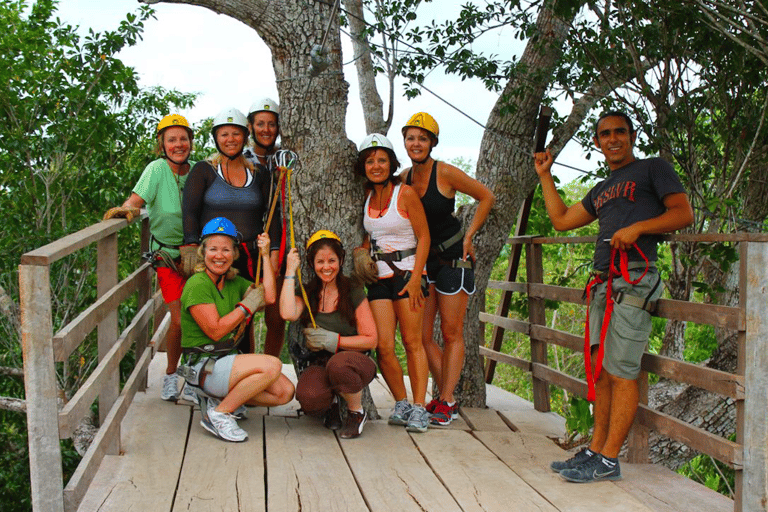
point(354, 400)
point(432, 349)
point(173, 337)
point(278, 393)
point(624, 399)
point(601, 409)
point(273, 341)
point(251, 375)
point(384, 316)
point(452, 309)
point(410, 331)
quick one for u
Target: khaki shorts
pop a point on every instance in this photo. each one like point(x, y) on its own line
point(630, 326)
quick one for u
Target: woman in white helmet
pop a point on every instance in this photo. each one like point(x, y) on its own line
point(226, 185)
point(398, 240)
point(159, 189)
point(264, 126)
point(450, 267)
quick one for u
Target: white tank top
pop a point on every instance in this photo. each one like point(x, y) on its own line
point(391, 232)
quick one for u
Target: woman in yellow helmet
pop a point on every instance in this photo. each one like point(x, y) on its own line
point(450, 266)
point(337, 348)
point(160, 189)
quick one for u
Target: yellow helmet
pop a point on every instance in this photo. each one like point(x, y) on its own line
point(323, 233)
point(174, 120)
point(425, 122)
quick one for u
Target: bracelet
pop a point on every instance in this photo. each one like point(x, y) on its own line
point(289, 277)
point(244, 310)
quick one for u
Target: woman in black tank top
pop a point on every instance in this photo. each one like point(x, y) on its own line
point(451, 261)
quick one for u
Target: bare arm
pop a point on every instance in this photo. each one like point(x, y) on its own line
point(366, 330)
point(412, 205)
point(291, 306)
point(459, 181)
point(134, 201)
point(213, 325)
point(563, 217)
point(679, 214)
point(270, 285)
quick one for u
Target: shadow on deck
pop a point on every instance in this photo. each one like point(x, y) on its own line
point(494, 459)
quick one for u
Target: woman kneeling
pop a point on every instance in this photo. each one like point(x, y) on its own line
point(216, 306)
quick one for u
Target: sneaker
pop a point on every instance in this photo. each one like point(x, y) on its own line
point(333, 416)
point(594, 469)
point(442, 415)
point(418, 420)
point(189, 394)
point(580, 458)
point(400, 413)
point(223, 425)
point(240, 413)
point(170, 388)
point(454, 408)
point(353, 427)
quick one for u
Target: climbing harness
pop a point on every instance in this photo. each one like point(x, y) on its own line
point(441, 248)
point(611, 299)
point(160, 257)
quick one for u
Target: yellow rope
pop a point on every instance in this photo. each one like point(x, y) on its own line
point(276, 194)
point(293, 245)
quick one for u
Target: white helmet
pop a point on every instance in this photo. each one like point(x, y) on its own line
point(264, 105)
point(375, 140)
point(229, 116)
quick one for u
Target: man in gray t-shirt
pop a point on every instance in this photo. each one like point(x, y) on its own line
point(639, 200)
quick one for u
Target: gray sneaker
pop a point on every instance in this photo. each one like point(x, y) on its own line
point(170, 388)
point(222, 425)
point(240, 413)
point(189, 394)
point(400, 413)
point(581, 457)
point(418, 421)
point(595, 469)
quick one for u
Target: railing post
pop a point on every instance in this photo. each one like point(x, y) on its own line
point(537, 316)
point(145, 292)
point(752, 413)
point(637, 440)
point(41, 388)
point(106, 274)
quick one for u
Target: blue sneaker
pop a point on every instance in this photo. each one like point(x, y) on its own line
point(418, 421)
point(595, 469)
point(580, 458)
point(400, 413)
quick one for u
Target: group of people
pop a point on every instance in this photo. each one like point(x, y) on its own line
point(218, 263)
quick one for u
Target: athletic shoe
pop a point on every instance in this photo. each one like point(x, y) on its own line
point(454, 408)
point(333, 416)
point(189, 394)
point(353, 427)
point(595, 469)
point(223, 425)
point(400, 413)
point(418, 420)
point(240, 413)
point(580, 458)
point(443, 414)
point(170, 388)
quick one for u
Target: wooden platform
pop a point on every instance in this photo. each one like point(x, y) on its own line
point(493, 459)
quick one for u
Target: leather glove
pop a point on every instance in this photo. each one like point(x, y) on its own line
point(253, 300)
point(188, 255)
point(365, 268)
point(124, 212)
point(320, 339)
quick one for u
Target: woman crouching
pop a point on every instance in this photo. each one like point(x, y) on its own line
point(216, 306)
point(345, 331)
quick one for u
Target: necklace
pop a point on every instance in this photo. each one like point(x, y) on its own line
point(332, 306)
point(381, 211)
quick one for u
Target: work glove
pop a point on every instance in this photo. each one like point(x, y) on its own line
point(320, 339)
point(365, 268)
point(189, 259)
point(253, 300)
point(122, 212)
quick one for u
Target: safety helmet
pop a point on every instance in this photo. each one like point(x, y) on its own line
point(375, 140)
point(264, 105)
point(220, 226)
point(229, 116)
point(174, 120)
point(323, 233)
point(425, 122)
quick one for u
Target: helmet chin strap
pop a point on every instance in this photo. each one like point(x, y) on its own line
point(429, 155)
point(186, 159)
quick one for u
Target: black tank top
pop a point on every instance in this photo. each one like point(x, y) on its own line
point(439, 211)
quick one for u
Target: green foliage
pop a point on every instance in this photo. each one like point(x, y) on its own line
point(579, 421)
point(710, 472)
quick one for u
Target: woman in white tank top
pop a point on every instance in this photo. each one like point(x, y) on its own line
point(398, 239)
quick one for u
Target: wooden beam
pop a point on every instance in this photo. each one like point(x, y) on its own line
point(537, 315)
point(501, 357)
point(509, 324)
point(41, 389)
point(720, 382)
point(107, 330)
point(508, 286)
point(103, 375)
point(570, 341)
point(105, 437)
point(69, 337)
point(572, 384)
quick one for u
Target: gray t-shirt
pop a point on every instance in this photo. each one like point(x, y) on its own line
point(630, 194)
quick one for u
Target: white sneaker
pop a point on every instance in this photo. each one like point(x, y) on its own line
point(240, 413)
point(170, 388)
point(223, 425)
point(190, 395)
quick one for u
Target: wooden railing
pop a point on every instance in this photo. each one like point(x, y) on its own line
point(748, 387)
point(43, 349)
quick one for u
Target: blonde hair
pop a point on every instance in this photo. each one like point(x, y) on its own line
point(216, 158)
point(200, 267)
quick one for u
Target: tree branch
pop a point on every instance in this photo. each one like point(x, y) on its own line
point(11, 372)
point(13, 404)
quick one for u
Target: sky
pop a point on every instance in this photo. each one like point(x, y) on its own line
point(193, 49)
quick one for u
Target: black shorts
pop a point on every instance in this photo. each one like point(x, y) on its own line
point(388, 288)
point(449, 280)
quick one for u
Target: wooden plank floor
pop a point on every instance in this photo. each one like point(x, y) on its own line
point(494, 459)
